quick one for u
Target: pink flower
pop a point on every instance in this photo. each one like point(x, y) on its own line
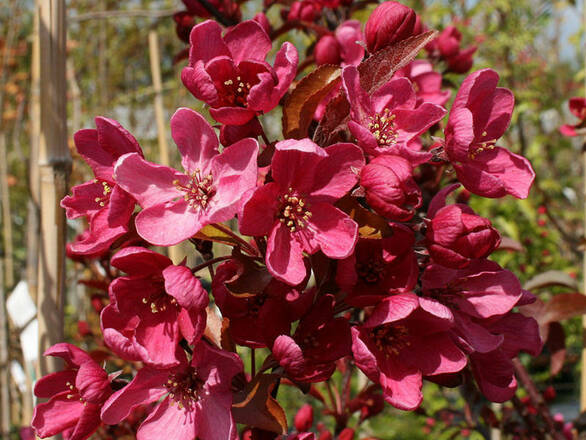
point(76, 396)
point(319, 341)
point(578, 109)
point(209, 191)
point(404, 339)
point(426, 82)
point(342, 47)
point(196, 398)
point(389, 188)
point(482, 290)
point(386, 121)
point(234, 80)
point(447, 47)
point(479, 116)
point(389, 23)
point(304, 418)
point(456, 235)
point(305, 10)
point(494, 370)
point(106, 205)
point(152, 308)
point(379, 268)
point(296, 210)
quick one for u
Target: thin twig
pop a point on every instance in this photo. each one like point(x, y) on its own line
point(209, 263)
point(217, 14)
point(139, 13)
point(240, 240)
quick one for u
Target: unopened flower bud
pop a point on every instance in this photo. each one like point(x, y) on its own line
point(327, 51)
point(389, 23)
point(304, 418)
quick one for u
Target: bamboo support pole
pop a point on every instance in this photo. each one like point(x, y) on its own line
point(175, 252)
point(158, 87)
point(5, 408)
point(8, 256)
point(583, 370)
point(32, 219)
point(6, 217)
point(54, 169)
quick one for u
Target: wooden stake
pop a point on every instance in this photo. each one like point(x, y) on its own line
point(10, 37)
point(54, 169)
point(157, 85)
point(33, 208)
point(175, 252)
point(6, 217)
point(583, 372)
point(5, 409)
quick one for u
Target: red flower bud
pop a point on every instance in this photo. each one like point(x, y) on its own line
point(389, 187)
point(304, 418)
point(389, 23)
point(457, 235)
point(305, 11)
point(327, 51)
point(346, 434)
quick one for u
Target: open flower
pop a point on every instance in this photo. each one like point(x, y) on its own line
point(196, 398)
point(387, 120)
point(319, 340)
point(427, 83)
point(107, 206)
point(404, 339)
point(209, 191)
point(76, 396)
point(479, 116)
point(578, 108)
point(152, 308)
point(379, 268)
point(296, 209)
point(230, 72)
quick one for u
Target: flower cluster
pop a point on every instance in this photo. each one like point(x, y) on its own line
point(347, 253)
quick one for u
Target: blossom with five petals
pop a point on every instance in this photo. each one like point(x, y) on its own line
point(209, 191)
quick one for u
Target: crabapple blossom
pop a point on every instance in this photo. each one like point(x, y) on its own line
point(208, 191)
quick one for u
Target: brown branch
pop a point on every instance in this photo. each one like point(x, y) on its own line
point(104, 15)
point(536, 398)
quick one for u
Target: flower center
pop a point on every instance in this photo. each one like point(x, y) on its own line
point(390, 339)
point(294, 211)
point(74, 393)
point(160, 300)
point(382, 127)
point(185, 388)
point(372, 271)
point(103, 201)
point(255, 303)
point(237, 91)
point(198, 191)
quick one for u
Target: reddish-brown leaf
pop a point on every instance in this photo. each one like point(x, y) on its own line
point(370, 225)
point(301, 104)
point(556, 344)
point(563, 306)
point(551, 278)
point(254, 405)
point(217, 330)
point(250, 279)
point(508, 244)
point(211, 233)
point(374, 72)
